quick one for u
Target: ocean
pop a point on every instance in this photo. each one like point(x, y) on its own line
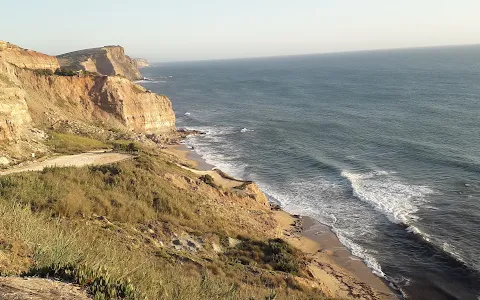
point(381, 146)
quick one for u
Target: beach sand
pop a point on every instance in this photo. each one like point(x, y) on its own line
point(336, 271)
point(341, 274)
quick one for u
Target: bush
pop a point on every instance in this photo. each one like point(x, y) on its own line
point(208, 180)
point(125, 146)
point(44, 72)
point(273, 254)
point(65, 72)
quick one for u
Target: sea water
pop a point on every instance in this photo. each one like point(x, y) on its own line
point(382, 146)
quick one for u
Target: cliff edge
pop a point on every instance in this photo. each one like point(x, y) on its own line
point(108, 60)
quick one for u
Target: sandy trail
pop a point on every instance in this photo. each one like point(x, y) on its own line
point(16, 288)
point(217, 178)
point(100, 157)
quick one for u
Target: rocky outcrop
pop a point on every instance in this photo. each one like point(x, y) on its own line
point(137, 108)
point(24, 58)
point(14, 115)
point(141, 62)
point(108, 60)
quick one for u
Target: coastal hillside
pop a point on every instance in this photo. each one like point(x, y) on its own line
point(108, 60)
point(35, 100)
point(98, 201)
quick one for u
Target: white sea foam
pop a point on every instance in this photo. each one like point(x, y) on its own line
point(413, 229)
point(149, 81)
point(397, 200)
point(450, 249)
point(361, 252)
point(215, 151)
point(319, 197)
point(313, 199)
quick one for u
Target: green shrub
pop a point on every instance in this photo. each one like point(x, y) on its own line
point(44, 72)
point(125, 146)
point(65, 72)
point(273, 254)
point(208, 180)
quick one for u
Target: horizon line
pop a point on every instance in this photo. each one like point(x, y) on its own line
point(317, 53)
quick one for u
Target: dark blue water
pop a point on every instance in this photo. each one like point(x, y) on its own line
point(384, 147)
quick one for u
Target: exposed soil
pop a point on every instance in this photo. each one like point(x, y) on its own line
point(100, 157)
point(17, 288)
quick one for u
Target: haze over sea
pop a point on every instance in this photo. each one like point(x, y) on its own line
point(382, 146)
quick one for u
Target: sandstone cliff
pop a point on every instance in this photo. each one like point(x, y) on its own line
point(108, 60)
point(141, 62)
point(30, 100)
point(24, 58)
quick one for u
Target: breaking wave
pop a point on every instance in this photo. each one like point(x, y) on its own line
point(397, 200)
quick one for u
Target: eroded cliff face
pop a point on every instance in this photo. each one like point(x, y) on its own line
point(14, 115)
point(24, 58)
point(139, 110)
point(108, 60)
point(29, 100)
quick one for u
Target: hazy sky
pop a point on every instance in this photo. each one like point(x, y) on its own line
point(206, 29)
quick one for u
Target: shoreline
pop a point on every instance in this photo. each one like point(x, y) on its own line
point(336, 270)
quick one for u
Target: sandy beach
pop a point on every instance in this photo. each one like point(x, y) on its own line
point(335, 270)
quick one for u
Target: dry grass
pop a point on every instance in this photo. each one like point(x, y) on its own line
point(50, 218)
point(69, 143)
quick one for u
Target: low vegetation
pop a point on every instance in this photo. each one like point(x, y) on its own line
point(65, 72)
point(274, 254)
point(125, 146)
point(111, 229)
point(43, 72)
point(70, 144)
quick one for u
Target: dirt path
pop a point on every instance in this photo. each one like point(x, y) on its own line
point(16, 288)
point(217, 177)
point(101, 157)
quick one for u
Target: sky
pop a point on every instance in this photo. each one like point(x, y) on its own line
point(181, 30)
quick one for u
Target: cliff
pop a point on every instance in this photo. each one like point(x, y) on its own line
point(31, 99)
point(24, 58)
point(14, 115)
point(108, 60)
point(141, 62)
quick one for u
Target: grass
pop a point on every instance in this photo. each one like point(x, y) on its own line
point(50, 226)
point(70, 144)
